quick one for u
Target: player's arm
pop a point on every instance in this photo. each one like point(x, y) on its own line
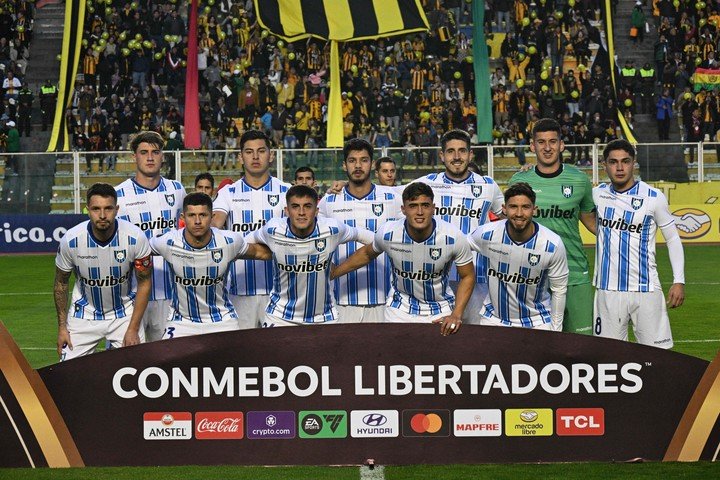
point(451, 324)
point(336, 187)
point(143, 274)
point(558, 276)
point(218, 219)
point(60, 292)
point(221, 207)
point(359, 259)
point(676, 294)
point(589, 219)
point(256, 251)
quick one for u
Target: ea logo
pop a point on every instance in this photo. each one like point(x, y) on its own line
point(422, 423)
point(692, 223)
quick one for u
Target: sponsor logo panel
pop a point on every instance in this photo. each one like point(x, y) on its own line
point(426, 423)
point(580, 421)
point(322, 424)
point(528, 422)
point(219, 425)
point(271, 425)
point(374, 423)
point(477, 423)
point(167, 425)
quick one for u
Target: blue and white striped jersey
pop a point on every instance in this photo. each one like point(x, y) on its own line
point(249, 209)
point(625, 247)
point(104, 280)
point(301, 268)
point(155, 212)
point(519, 275)
point(420, 281)
point(199, 274)
point(465, 204)
point(368, 285)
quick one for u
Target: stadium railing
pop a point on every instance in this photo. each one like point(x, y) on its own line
point(57, 182)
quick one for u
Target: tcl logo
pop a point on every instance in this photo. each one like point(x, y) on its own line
point(218, 425)
point(580, 421)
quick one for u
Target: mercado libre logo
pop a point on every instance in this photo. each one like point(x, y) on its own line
point(426, 423)
point(528, 422)
point(692, 223)
point(323, 424)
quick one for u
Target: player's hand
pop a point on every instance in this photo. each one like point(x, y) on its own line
point(131, 338)
point(449, 325)
point(63, 340)
point(336, 187)
point(691, 222)
point(526, 167)
point(676, 295)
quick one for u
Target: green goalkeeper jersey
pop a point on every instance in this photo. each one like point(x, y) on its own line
point(561, 197)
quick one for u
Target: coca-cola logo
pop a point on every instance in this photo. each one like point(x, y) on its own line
point(218, 425)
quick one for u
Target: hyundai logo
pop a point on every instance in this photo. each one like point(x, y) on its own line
point(374, 419)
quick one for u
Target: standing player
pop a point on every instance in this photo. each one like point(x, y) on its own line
point(205, 183)
point(153, 203)
point(564, 196)
point(198, 257)
point(246, 206)
point(302, 245)
point(360, 296)
point(522, 259)
point(421, 250)
point(305, 176)
point(628, 287)
point(104, 253)
point(386, 171)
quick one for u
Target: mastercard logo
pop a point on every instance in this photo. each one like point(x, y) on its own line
point(430, 423)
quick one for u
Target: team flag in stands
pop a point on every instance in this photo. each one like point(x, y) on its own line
point(339, 21)
point(71, 55)
point(706, 79)
point(192, 103)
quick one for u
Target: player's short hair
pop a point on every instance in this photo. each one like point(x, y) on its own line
point(301, 191)
point(619, 144)
point(197, 198)
point(102, 189)
point(381, 160)
point(303, 170)
point(546, 125)
point(153, 138)
point(415, 190)
point(455, 134)
point(205, 176)
point(357, 145)
point(254, 135)
point(520, 188)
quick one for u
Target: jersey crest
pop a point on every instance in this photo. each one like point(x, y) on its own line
point(567, 191)
point(120, 255)
point(435, 253)
point(476, 190)
point(217, 256)
point(170, 199)
point(377, 209)
point(636, 203)
point(273, 200)
point(533, 259)
point(320, 245)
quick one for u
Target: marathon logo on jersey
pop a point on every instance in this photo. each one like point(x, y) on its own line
point(567, 191)
point(170, 199)
point(374, 423)
point(167, 425)
point(580, 421)
point(320, 244)
point(421, 275)
point(323, 424)
point(249, 227)
point(458, 211)
point(477, 423)
point(160, 223)
point(513, 277)
point(636, 203)
point(435, 253)
point(426, 423)
point(107, 281)
point(305, 267)
point(377, 209)
point(533, 259)
point(217, 255)
point(621, 225)
point(275, 425)
point(273, 200)
point(202, 281)
point(476, 190)
point(120, 255)
point(218, 425)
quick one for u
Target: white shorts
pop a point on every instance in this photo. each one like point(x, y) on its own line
point(269, 321)
point(187, 329)
point(250, 309)
point(646, 310)
point(361, 313)
point(496, 322)
point(156, 316)
point(395, 315)
point(85, 335)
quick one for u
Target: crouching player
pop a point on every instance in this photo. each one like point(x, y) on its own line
point(522, 257)
point(105, 253)
point(199, 256)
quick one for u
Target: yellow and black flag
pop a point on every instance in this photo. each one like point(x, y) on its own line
point(339, 21)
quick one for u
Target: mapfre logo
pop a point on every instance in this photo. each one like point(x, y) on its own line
point(219, 425)
point(580, 421)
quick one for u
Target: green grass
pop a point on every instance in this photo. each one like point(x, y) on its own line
point(27, 309)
